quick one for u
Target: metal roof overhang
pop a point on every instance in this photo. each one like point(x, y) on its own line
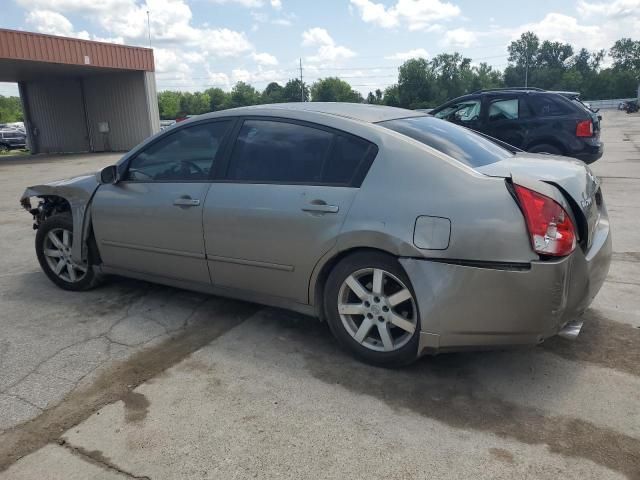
point(27, 56)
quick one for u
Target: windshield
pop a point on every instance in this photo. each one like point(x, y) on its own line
point(458, 142)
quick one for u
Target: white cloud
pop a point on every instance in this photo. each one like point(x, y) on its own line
point(264, 58)
point(53, 23)
point(615, 9)
point(276, 4)
point(316, 36)
point(244, 3)
point(219, 79)
point(404, 56)
point(416, 14)
point(263, 17)
point(327, 51)
point(459, 37)
point(558, 27)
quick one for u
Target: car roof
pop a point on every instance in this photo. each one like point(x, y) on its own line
point(357, 111)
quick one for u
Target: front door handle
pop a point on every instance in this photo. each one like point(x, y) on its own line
point(186, 202)
point(320, 206)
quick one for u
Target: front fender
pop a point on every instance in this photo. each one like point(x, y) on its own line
point(78, 192)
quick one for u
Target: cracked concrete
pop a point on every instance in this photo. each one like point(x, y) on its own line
point(58, 463)
point(123, 382)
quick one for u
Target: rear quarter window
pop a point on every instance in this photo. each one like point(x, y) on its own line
point(549, 105)
point(458, 142)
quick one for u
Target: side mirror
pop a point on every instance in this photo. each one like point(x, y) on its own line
point(109, 175)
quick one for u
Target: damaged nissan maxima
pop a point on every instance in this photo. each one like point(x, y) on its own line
point(408, 234)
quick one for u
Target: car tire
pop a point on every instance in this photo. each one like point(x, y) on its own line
point(546, 148)
point(347, 311)
point(4, 148)
point(54, 240)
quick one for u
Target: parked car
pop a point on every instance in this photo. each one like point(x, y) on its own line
point(630, 106)
point(533, 120)
point(166, 124)
point(408, 234)
point(12, 139)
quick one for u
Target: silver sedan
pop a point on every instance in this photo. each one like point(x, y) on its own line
point(407, 234)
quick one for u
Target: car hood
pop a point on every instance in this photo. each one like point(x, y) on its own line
point(574, 178)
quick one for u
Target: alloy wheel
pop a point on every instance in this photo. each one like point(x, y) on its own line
point(57, 252)
point(377, 309)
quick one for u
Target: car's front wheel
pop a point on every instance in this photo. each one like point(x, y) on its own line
point(371, 309)
point(54, 241)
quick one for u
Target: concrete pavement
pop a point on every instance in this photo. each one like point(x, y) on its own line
point(161, 383)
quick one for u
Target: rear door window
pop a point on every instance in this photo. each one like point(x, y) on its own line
point(458, 142)
point(273, 151)
point(549, 105)
point(504, 109)
point(346, 159)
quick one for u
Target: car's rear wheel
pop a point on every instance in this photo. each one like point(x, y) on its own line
point(546, 148)
point(371, 309)
point(4, 148)
point(54, 242)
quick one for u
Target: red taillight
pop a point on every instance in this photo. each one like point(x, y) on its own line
point(551, 229)
point(584, 129)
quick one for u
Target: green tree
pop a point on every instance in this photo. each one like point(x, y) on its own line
point(10, 109)
point(169, 104)
point(453, 75)
point(484, 76)
point(524, 51)
point(522, 55)
point(333, 89)
point(295, 90)
point(273, 93)
point(243, 94)
point(391, 96)
point(626, 55)
point(194, 103)
point(416, 84)
point(218, 99)
point(553, 54)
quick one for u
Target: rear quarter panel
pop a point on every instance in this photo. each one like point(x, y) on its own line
point(408, 180)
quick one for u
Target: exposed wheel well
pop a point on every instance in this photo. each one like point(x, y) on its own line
point(321, 279)
point(48, 206)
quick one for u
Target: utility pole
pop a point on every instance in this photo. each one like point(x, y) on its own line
point(526, 63)
point(301, 84)
point(149, 28)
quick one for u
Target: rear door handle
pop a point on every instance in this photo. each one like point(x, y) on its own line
point(186, 202)
point(320, 206)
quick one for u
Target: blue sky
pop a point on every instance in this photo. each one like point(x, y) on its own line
point(203, 43)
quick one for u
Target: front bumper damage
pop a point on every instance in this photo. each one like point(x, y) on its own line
point(77, 192)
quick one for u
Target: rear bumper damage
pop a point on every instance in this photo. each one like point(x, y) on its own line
point(470, 307)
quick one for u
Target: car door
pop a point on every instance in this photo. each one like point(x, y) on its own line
point(151, 221)
point(506, 119)
point(288, 188)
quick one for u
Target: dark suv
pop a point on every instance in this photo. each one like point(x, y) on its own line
point(530, 119)
point(12, 139)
